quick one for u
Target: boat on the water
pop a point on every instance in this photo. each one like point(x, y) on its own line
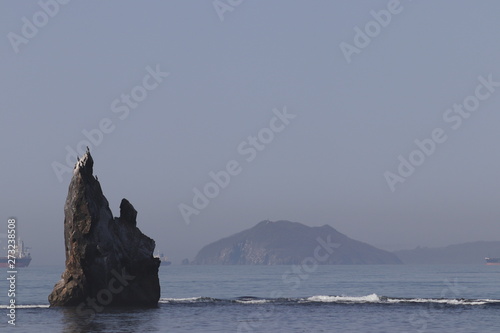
point(163, 259)
point(20, 258)
point(492, 261)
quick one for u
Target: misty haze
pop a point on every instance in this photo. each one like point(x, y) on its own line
point(164, 159)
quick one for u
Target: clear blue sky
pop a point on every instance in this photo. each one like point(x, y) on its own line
point(326, 166)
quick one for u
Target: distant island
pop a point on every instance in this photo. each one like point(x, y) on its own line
point(465, 253)
point(286, 243)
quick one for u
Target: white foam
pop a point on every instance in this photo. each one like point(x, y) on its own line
point(372, 298)
point(441, 301)
point(487, 300)
point(253, 301)
point(179, 300)
point(31, 306)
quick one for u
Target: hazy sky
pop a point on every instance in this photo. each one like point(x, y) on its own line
point(354, 83)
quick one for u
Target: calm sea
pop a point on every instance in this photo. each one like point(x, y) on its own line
point(279, 299)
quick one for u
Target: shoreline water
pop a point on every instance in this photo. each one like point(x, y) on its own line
point(401, 298)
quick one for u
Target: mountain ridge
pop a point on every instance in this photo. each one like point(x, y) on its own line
point(462, 253)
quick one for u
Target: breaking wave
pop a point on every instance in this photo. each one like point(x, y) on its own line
point(373, 298)
point(318, 299)
point(31, 306)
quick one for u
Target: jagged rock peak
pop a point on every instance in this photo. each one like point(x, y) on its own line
point(104, 255)
point(85, 164)
point(128, 214)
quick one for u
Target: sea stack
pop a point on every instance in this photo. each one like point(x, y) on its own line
point(108, 260)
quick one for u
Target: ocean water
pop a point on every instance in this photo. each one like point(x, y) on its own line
point(401, 298)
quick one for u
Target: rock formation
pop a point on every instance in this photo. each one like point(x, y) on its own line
point(287, 243)
point(108, 260)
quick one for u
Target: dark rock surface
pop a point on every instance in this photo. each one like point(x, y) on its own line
point(107, 259)
point(286, 243)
